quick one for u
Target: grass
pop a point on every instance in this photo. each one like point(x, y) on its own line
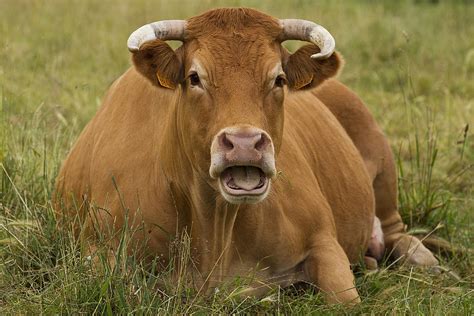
point(411, 61)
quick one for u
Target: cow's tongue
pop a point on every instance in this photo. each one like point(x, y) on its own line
point(247, 178)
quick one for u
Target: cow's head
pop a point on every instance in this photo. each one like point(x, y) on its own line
point(232, 75)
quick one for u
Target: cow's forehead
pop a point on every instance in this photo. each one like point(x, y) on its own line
point(224, 58)
point(241, 22)
point(254, 64)
point(235, 51)
point(233, 40)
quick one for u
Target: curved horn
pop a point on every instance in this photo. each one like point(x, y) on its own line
point(164, 30)
point(295, 29)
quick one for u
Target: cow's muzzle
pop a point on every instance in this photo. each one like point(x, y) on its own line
point(243, 161)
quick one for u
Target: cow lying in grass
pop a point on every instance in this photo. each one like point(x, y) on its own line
point(269, 165)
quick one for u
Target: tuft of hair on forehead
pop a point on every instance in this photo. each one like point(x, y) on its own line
point(232, 21)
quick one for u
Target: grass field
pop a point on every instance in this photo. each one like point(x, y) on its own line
point(411, 61)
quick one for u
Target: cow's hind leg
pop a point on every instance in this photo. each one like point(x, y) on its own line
point(375, 150)
point(402, 246)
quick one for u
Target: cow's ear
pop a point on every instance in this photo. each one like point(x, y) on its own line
point(304, 72)
point(159, 63)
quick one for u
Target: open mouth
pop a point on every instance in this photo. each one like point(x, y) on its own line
point(243, 181)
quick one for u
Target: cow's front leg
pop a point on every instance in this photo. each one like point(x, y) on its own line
point(328, 268)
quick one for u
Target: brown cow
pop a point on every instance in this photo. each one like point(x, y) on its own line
point(225, 139)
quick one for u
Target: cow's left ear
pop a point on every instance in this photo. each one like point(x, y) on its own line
point(159, 63)
point(304, 72)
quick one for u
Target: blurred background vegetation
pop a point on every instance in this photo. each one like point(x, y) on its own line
point(411, 61)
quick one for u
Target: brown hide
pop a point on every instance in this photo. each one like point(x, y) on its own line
point(144, 158)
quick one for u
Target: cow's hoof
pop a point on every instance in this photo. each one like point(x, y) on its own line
point(409, 250)
point(370, 263)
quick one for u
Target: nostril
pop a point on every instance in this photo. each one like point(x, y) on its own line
point(262, 143)
point(226, 143)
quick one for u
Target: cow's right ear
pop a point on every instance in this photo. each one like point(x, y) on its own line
point(159, 63)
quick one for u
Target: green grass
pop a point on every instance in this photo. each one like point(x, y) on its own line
point(411, 61)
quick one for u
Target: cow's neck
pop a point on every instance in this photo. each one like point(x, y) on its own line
point(213, 231)
point(209, 219)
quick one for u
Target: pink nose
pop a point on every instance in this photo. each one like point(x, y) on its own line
point(244, 146)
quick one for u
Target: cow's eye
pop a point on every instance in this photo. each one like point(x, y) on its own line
point(194, 79)
point(280, 81)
